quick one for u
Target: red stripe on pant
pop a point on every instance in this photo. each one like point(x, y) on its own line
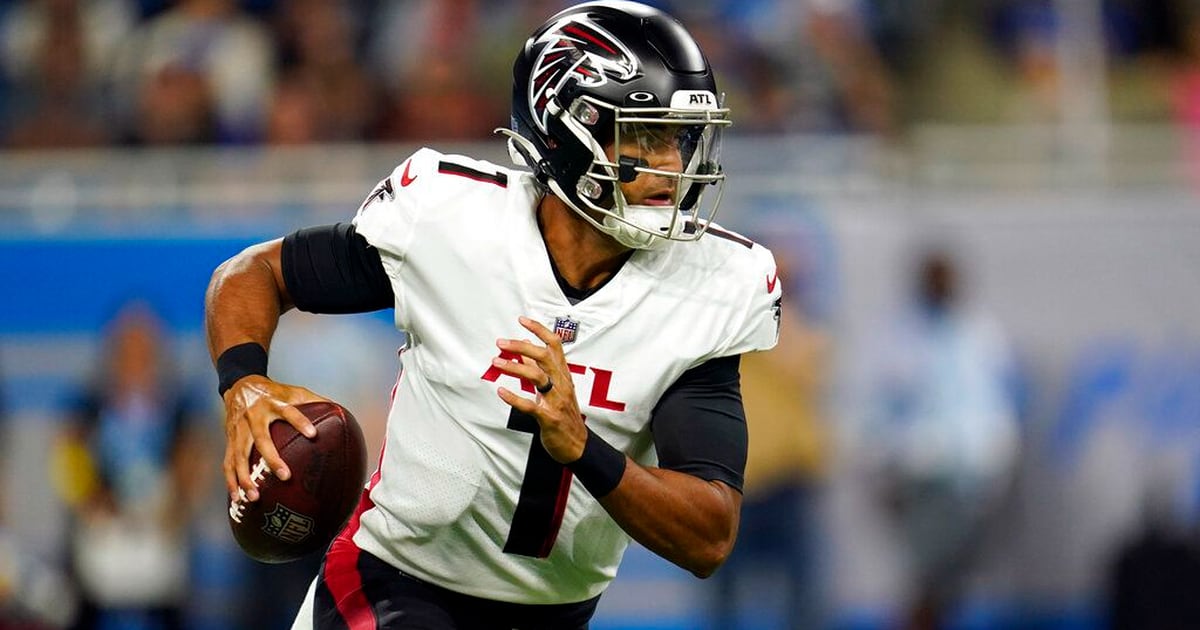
point(341, 569)
point(341, 574)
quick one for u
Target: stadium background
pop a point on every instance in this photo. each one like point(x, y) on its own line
point(1053, 145)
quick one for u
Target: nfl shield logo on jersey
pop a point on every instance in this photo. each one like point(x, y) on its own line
point(565, 328)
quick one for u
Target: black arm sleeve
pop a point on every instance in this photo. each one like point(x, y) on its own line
point(331, 269)
point(699, 424)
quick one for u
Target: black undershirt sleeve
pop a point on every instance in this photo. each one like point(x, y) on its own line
point(331, 269)
point(699, 425)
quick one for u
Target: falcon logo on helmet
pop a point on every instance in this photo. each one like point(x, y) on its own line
point(576, 47)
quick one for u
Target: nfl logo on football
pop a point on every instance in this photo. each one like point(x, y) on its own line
point(287, 525)
point(566, 328)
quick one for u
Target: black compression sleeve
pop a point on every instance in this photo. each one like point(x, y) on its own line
point(331, 269)
point(699, 424)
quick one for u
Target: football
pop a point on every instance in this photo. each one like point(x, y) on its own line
point(294, 518)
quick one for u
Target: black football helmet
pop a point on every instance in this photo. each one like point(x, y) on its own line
point(598, 88)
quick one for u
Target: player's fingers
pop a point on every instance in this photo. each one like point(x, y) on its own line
point(552, 341)
point(241, 464)
point(230, 470)
point(266, 448)
point(545, 376)
point(518, 402)
point(525, 348)
point(526, 369)
point(299, 421)
point(228, 465)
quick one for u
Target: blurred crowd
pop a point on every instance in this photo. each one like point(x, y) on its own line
point(81, 73)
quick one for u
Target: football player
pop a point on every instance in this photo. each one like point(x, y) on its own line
point(571, 376)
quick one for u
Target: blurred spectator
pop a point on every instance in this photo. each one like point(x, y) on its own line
point(431, 59)
point(1028, 61)
point(441, 101)
point(940, 432)
point(1184, 84)
point(294, 116)
point(783, 391)
point(200, 59)
point(1028, 33)
point(862, 88)
point(1002, 61)
point(324, 94)
point(174, 106)
point(102, 26)
point(807, 66)
point(130, 466)
point(54, 55)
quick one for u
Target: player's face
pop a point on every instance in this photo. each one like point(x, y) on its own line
point(659, 147)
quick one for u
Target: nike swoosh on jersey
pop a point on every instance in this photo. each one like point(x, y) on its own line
point(405, 179)
point(771, 279)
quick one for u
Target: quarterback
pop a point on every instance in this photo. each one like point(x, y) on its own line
point(575, 326)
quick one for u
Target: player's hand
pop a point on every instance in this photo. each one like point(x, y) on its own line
point(251, 405)
point(563, 433)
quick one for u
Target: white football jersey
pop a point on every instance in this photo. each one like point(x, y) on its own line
point(465, 497)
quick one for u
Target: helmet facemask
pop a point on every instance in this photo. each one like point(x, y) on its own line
point(646, 186)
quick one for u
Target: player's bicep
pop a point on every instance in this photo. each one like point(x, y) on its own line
point(699, 425)
point(331, 269)
point(255, 258)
